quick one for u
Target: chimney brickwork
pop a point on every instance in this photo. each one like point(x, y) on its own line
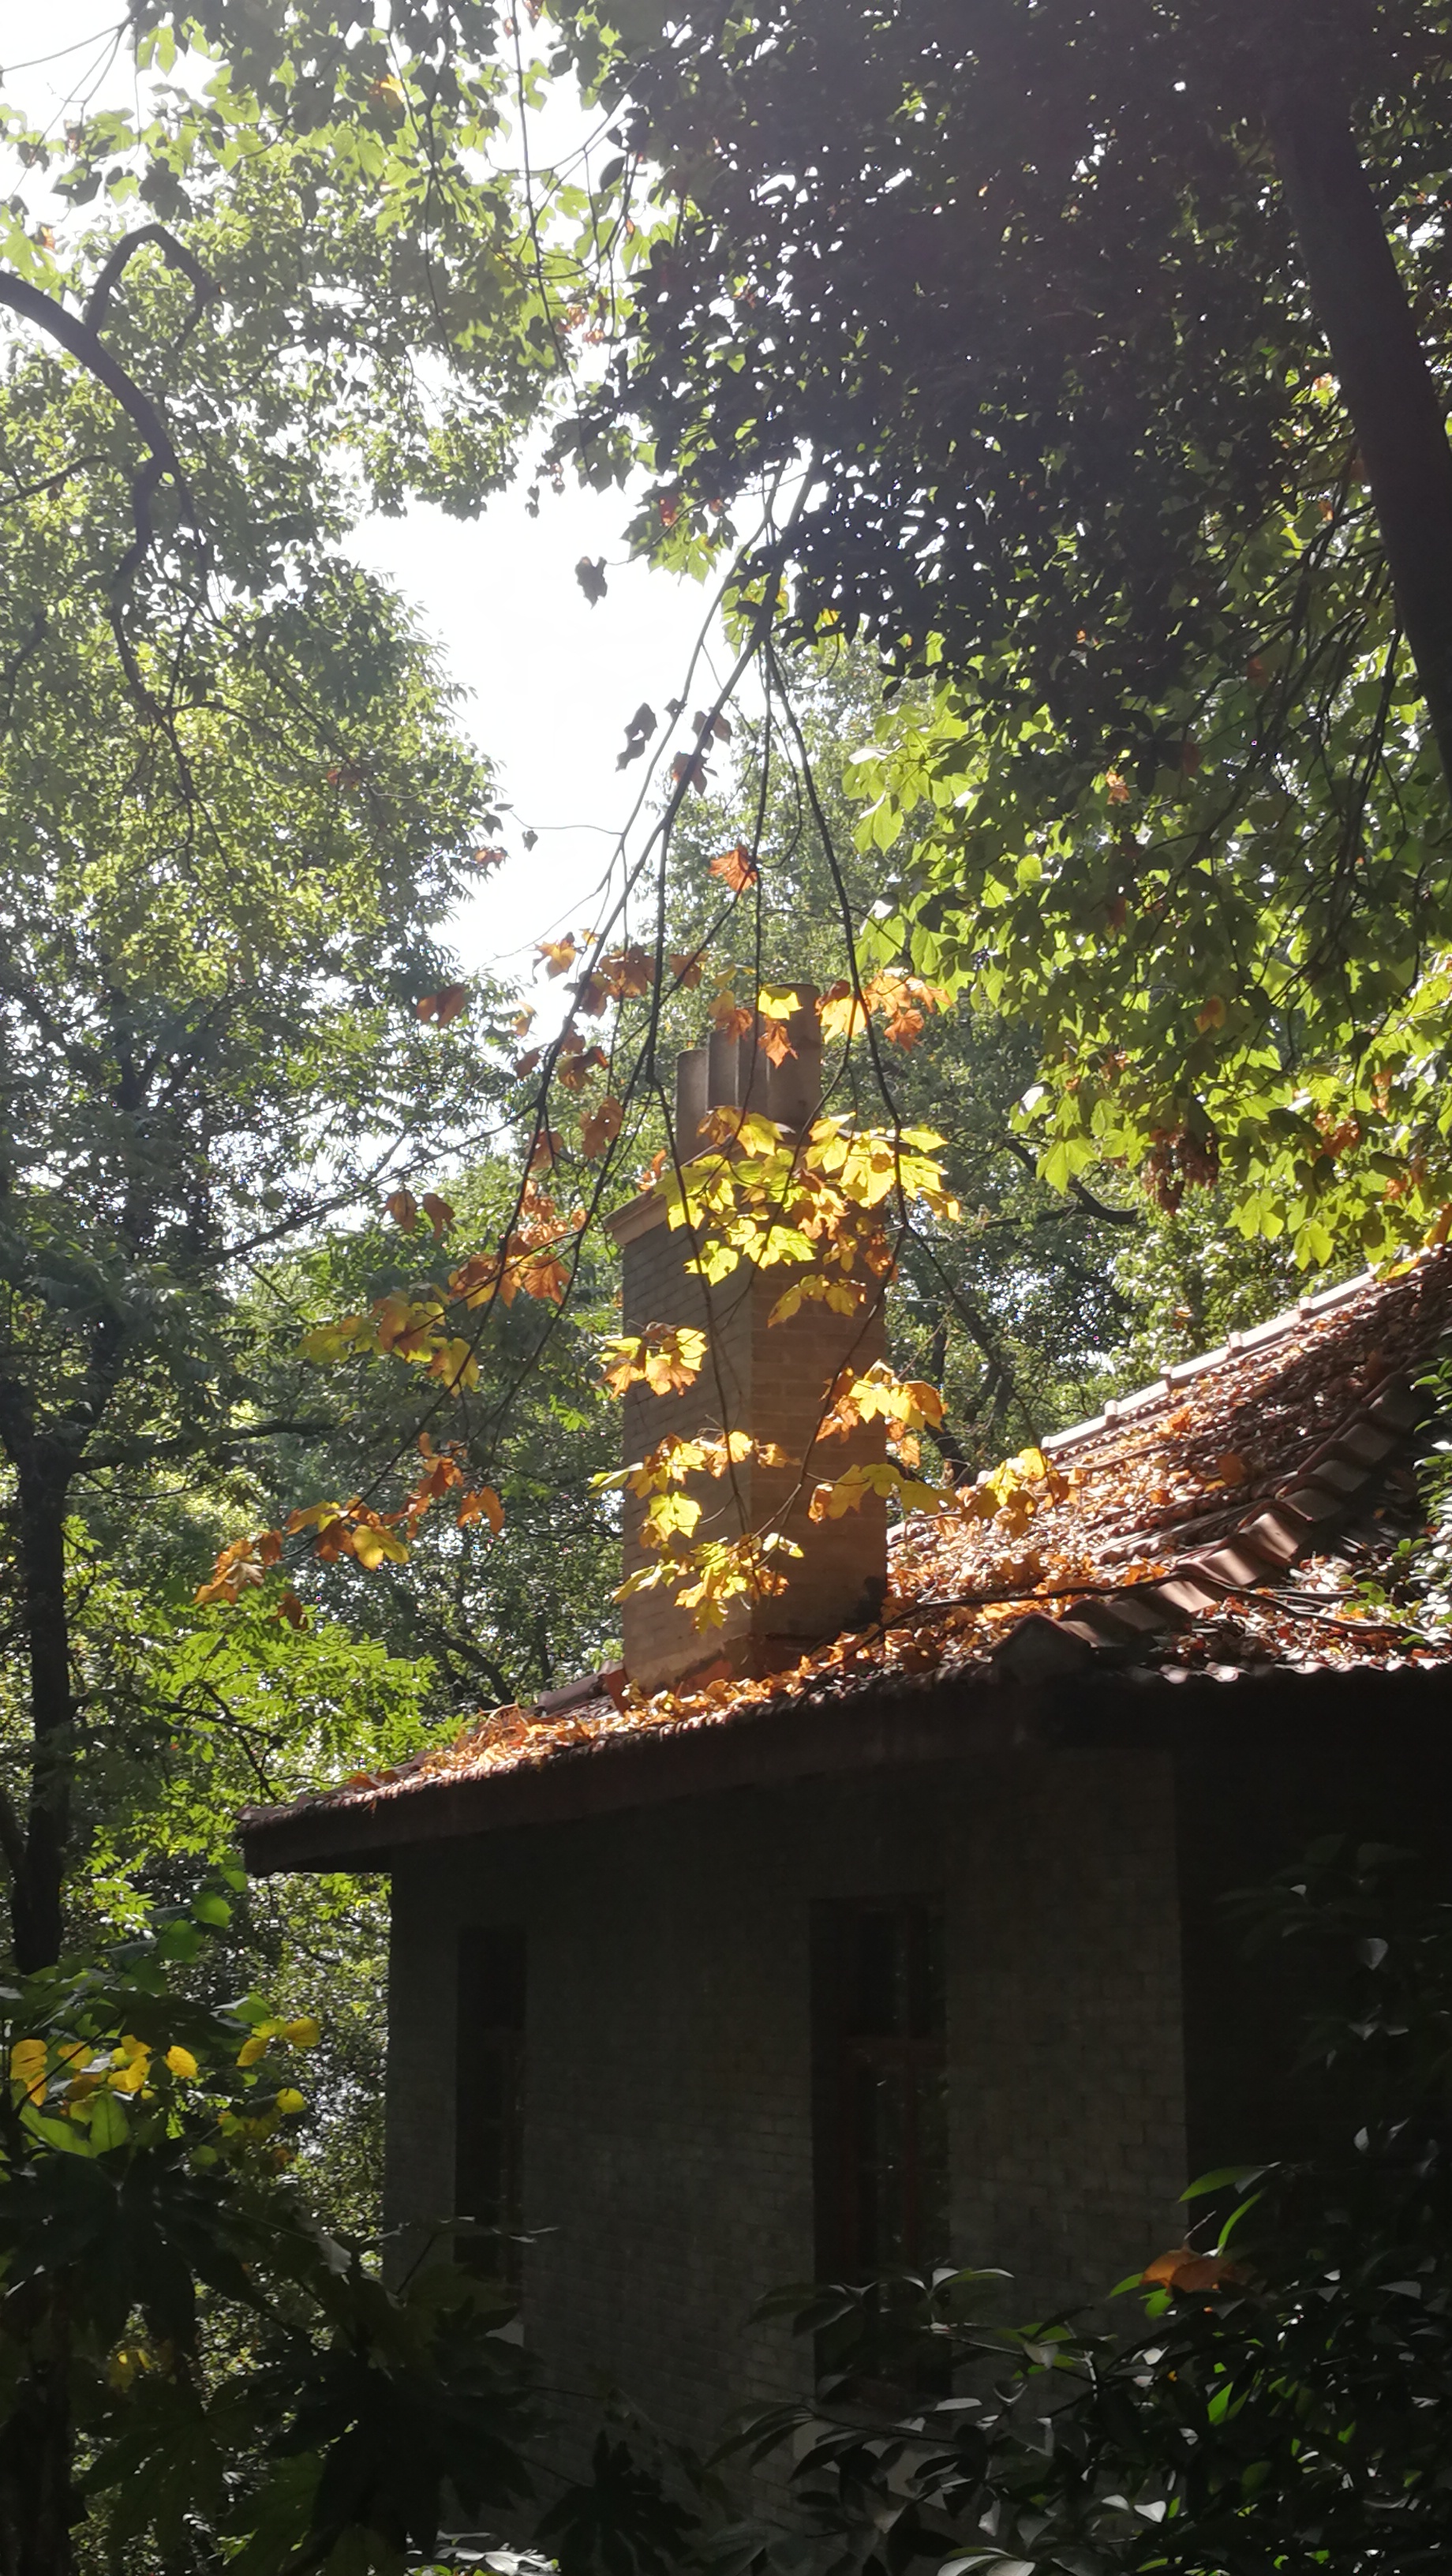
point(770, 1380)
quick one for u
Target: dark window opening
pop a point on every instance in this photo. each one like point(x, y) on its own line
point(489, 2102)
point(879, 2095)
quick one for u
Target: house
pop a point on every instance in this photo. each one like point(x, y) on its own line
point(896, 1931)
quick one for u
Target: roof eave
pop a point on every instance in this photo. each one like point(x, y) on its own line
point(896, 1723)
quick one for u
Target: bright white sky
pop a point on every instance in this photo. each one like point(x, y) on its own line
point(551, 681)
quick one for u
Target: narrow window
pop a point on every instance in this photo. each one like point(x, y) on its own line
point(878, 2082)
point(489, 2101)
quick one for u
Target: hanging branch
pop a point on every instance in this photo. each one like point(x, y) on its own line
point(80, 337)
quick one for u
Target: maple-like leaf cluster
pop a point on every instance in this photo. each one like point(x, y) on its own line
point(823, 1207)
point(901, 1001)
point(665, 1357)
point(355, 1529)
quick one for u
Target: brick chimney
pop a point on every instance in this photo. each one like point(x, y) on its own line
point(770, 1380)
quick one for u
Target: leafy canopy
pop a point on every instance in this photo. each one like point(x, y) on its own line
point(1018, 301)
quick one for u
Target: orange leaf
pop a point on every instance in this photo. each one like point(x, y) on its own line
point(544, 1277)
point(1183, 2269)
point(1211, 1014)
point(575, 1071)
point(443, 1006)
point(905, 1028)
point(731, 1018)
point(601, 1127)
point(438, 1211)
point(1165, 2266)
point(402, 1206)
point(559, 955)
point(482, 1504)
point(737, 869)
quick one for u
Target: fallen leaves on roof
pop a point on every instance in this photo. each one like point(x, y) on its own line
point(1205, 1525)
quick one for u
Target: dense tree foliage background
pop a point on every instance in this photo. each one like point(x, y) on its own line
point(1077, 333)
point(1014, 369)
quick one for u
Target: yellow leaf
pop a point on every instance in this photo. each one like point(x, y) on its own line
point(665, 1357)
point(667, 1514)
point(289, 2100)
point(840, 1012)
point(182, 2064)
point(455, 1364)
point(253, 2048)
point(330, 1342)
point(374, 1547)
point(391, 1316)
point(27, 2068)
point(305, 2032)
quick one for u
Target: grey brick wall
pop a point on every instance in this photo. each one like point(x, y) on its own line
point(668, 2131)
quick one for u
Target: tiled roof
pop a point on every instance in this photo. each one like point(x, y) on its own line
point(1206, 1524)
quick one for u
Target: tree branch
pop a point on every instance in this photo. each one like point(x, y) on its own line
point(202, 1444)
point(98, 302)
point(1076, 1188)
point(80, 342)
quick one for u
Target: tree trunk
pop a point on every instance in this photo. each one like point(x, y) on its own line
point(38, 2502)
point(38, 1876)
point(1388, 387)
